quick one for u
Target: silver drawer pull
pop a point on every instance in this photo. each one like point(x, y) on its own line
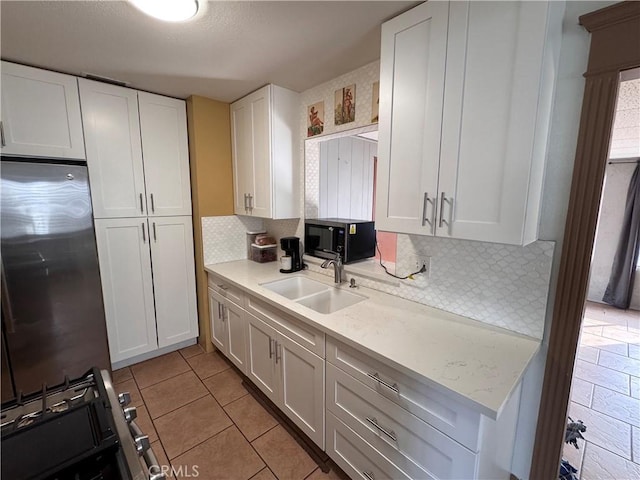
point(222, 287)
point(377, 378)
point(271, 347)
point(368, 475)
point(389, 433)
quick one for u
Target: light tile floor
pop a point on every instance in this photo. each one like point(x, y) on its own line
point(200, 419)
point(605, 395)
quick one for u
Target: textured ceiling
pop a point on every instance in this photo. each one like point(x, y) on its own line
point(228, 50)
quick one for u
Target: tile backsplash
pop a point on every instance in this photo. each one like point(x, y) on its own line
point(502, 285)
point(224, 238)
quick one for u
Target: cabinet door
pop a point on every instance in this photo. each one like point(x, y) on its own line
point(216, 317)
point(236, 341)
point(494, 65)
point(40, 113)
point(412, 72)
point(163, 128)
point(302, 380)
point(261, 366)
point(251, 145)
point(174, 279)
point(114, 152)
point(127, 286)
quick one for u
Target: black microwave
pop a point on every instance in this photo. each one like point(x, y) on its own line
point(352, 239)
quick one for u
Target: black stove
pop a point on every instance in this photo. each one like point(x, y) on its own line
point(76, 430)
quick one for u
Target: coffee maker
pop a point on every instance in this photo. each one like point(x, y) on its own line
point(291, 248)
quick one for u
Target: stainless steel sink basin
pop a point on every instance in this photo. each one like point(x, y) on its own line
point(295, 287)
point(331, 300)
point(312, 294)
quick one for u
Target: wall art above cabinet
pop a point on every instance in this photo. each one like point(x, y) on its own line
point(264, 135)
point(137, 152)
point(40, 113)
point(466, 92)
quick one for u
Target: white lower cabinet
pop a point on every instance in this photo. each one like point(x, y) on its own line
point(290, 375)
point(228, 329)
point(147, 271)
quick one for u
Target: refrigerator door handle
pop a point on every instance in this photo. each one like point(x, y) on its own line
point(7, 311)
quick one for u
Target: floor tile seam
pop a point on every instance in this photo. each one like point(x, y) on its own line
point(608, 450)
point(163, 380)
point(235, 399)
point(185, 358)
point(200, 443)
point(261, 435)
point(614, 391)
point(178, 408)
point(603, 366)
point(258, 453)
point(617, 354)
point(626, 422)
point(615, 339)
point(215, 373)
point(266, 467)
point(588, 360)
point(605, 414)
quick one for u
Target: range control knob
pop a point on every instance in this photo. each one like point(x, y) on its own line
point(130, 414)
point(124, 399)
point(142, 444)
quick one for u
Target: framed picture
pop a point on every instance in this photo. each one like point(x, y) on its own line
point(315, 119)
point(375, 102)
point(345, 105)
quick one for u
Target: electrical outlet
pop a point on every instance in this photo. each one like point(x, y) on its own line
point(422, 260)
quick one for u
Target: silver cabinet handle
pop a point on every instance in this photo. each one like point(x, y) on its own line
point(250, 202)
point(425, 204)
point(278, 349)
point(389, 433)
point(223, 313)
point(4, 143)
point(141, 205)
point(246, 205)
point(442, 220)
point(368, 475)
point(270, 347)
point(222, 287)
point(153, 205)
point(154, 232)
point(219, 311)
point(377, 378)
point(144, 237)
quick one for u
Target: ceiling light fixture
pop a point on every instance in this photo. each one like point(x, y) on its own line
point(168, 10)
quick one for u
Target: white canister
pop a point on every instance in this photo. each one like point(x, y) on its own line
point(285, 262)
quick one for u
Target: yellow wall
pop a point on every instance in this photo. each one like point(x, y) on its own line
point(211, 184)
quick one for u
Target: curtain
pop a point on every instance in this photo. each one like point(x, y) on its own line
point(618, 292)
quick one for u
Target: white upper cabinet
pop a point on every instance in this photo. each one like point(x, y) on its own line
point(114, 151)
point(465, 103)
point(264, 128)
point(40, 113)
point(163, 126)
point(137, 152)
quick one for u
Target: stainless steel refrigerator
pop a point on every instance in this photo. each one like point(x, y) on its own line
point(53, 318)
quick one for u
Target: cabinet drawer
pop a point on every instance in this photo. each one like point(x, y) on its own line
point(450, 417)
point(292, 328)
point(411, 444)
point(227, 291)
point(355, 456)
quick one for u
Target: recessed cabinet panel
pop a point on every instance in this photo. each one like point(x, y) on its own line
point(494, 65)
point(40, 113)
point(261, 129)
point(173, 279)
point(163, 126)
point(236, 327)
point(411, 89)
point(303, 388)
point(216, 316)
point(114, 152)
point(261, 366)
point(243, 169)
point(127, 286)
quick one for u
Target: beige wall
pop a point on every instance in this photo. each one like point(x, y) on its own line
point(211, 183)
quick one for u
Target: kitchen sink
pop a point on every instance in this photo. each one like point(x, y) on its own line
point(295, 287)
point(312, 294)
point(331, 300)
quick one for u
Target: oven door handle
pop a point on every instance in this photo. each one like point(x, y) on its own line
point(149, 457)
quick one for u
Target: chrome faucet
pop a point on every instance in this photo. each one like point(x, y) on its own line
point(338, 267)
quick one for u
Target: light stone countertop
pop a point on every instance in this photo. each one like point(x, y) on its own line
point(480, 365)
